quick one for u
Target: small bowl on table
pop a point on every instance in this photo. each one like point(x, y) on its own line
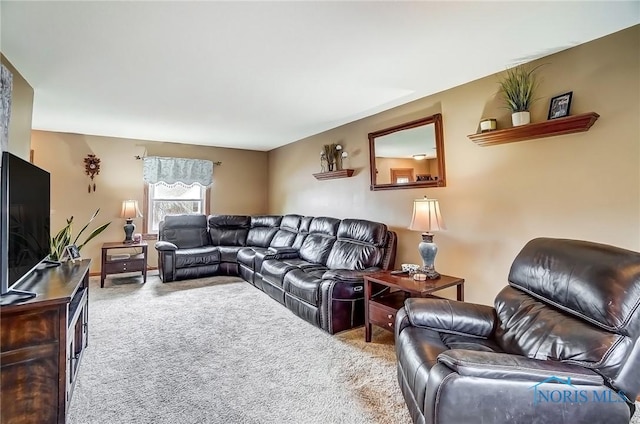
point(410, 268)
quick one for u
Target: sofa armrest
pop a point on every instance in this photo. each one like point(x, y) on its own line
point(451, 316)
point(166, 246)
point(166, 260)
point(284, 252)
point(504, 366)
point(347, 275)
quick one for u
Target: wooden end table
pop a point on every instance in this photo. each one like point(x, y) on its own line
point(382, 310)
point(111, 264)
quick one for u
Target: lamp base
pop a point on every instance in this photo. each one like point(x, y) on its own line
point(431, 273)
point(428, 250)
point(129, 228)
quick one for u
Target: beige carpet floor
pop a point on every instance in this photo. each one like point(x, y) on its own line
point(217, 350)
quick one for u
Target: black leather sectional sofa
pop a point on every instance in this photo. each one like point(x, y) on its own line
point(312, 265)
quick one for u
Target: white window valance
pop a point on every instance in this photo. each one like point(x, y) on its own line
point(172, 171)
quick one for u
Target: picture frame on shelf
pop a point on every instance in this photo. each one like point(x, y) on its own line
point(72, 252)
point(559, 106)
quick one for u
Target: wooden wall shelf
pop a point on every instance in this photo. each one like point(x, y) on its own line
point(343, 173)
point(550, 128)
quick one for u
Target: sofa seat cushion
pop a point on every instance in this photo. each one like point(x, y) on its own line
point(274, 270)
point(229, 253)
point(304, 284)
point(197, 256)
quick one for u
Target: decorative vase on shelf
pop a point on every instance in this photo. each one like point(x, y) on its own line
point(343, 160)
point(520, 118)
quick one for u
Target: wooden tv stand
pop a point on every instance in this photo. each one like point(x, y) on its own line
point(41, 345)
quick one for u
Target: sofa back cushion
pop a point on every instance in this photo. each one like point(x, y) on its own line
point(229, 230)
point(303, 231)
point(318, 243)
point(360, 244)
point(185, 231)
point(575, 301)
point(263, 228)
point(288, 231)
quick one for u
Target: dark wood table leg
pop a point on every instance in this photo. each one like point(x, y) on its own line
point(461, 292)
point(144, 266)
point(367, 324)
point(103, 268)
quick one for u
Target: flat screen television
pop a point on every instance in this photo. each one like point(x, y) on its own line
point(24, 223)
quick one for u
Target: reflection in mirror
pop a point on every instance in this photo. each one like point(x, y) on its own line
point(408, 156)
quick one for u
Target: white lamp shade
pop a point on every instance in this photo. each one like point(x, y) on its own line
point(427, 216)
point(130, 209)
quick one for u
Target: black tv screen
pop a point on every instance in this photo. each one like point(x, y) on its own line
point(25, 218)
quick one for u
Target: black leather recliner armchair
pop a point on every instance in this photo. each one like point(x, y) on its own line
point(561, 345)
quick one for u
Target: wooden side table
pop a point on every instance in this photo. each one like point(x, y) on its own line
point(382, 310)
point(112, 264)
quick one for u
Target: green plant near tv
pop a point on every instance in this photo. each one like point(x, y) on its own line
point(63, 238)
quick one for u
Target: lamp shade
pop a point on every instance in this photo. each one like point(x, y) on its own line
point(130, 209)
point(427, 216)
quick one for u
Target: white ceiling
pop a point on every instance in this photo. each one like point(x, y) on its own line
point(258, 75)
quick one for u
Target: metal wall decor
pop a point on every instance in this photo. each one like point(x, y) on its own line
point(92, 168)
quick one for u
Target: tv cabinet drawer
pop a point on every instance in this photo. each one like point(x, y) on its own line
point(20, 330)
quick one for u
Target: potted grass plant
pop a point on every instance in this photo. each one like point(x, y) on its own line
point(518, 88)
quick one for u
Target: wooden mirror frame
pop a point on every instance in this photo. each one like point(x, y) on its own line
point(441, 182)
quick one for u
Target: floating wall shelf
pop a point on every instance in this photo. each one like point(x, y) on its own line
point(550, 128)
point(343, 173)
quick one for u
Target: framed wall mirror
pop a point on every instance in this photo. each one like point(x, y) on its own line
point(409, 155)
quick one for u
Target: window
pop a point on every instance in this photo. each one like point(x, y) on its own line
point(401, 175)
point(174, 186)
point(162, 200)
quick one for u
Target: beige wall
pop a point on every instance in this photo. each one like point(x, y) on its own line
point(239, 187)
point(21, 113)
point(583, 186)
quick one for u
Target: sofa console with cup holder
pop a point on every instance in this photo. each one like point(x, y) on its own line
point(312, 265)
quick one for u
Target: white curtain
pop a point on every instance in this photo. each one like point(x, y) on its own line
point(171, 171)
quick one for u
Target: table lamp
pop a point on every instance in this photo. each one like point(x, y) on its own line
point(427, 218)
point(129, 212)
